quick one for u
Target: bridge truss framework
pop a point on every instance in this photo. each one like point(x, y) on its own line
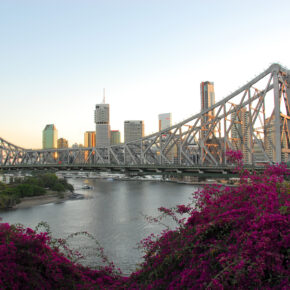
point(254, 119)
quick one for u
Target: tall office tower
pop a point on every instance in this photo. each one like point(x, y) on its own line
point(241, 137)
point(49, 137)
point(270, 137)
point(90, 139)
point(133, 130)
point(81, 155)
point(62, 143)
point(165, 121)
point(102, 120)
point(259, 152)
point(115, 137)
point(207, 97)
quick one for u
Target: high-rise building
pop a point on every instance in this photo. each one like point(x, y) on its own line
point(80, 157)
point(165, 121)
point(133, 130)
point(115, 137)
point(62, 156)
point(102, 120)
point(241, 137)
point(207, 97)
point(62, 143)
point(49, 137)
point(258, 149)
point(270, 140)
point(90, 139)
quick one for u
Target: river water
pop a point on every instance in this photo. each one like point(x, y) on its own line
point(113, 212)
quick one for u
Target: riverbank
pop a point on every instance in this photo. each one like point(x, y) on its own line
point(51, 197)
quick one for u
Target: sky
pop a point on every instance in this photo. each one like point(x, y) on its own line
point(56, 56)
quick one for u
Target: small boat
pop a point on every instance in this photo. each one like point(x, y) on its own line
point(85, 186)
point(77, 196)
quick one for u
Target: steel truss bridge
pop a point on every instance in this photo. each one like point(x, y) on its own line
point(254, 119)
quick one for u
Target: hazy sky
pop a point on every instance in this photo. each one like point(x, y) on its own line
point(150, 55)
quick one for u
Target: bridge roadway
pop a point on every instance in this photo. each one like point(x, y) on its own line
point(173, 170)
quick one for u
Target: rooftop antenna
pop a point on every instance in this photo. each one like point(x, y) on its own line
point(104, 96)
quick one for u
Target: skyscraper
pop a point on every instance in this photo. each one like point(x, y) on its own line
point(241, 137)
point(165, 121)
point(207, 97)
point(62, 143)
point(115, 137)
point(49, 137)
point(102, 120)
point(133, 130)
point(90, 139)
point(270, 139)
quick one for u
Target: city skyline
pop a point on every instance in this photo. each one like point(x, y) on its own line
point(246, 120)
point(57, 56)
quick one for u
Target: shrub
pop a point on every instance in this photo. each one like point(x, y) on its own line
point(58, 187)
point(234, 238)
point(66, 185)
point(2, 186)
point(47, 180)
point(25, 190)
point(8, 200)
point(28, 262)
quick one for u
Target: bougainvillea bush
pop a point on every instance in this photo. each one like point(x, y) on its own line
point(233, 238)
point(28, 260)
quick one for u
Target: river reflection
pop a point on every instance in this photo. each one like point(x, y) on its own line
point(113, 212)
